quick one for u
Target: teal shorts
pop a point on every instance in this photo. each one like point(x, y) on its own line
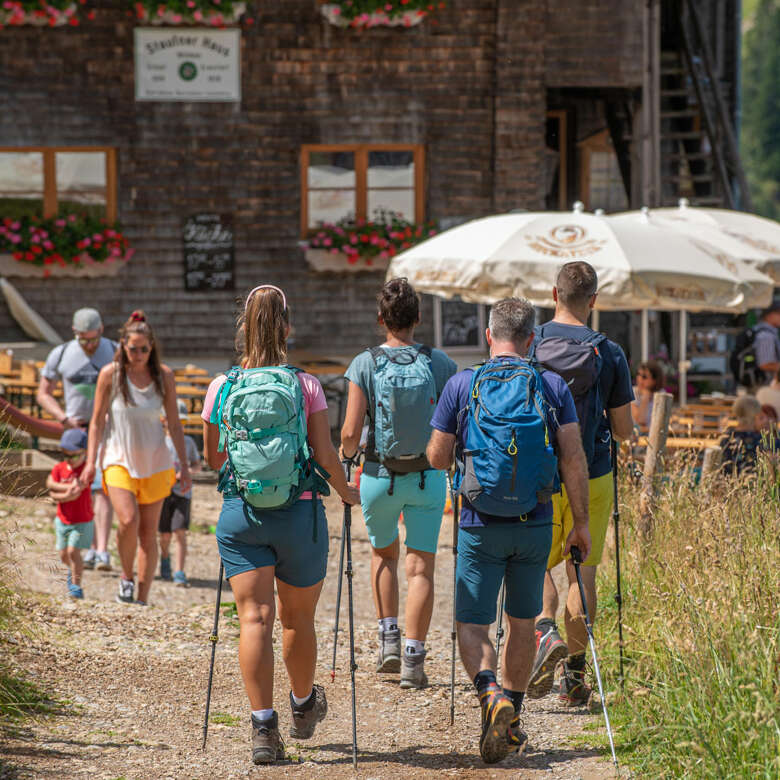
point(511, 551)
point(284, 538)
point(75, 535)
point(422, 509)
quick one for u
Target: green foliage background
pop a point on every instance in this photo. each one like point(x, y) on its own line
point(760, 139)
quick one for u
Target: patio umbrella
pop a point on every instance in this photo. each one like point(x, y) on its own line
point(639, 264)
point(759, 237)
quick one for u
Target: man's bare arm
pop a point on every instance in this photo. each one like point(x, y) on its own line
point(441, 450)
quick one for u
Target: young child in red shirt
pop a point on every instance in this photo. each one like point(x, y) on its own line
point(73, 523)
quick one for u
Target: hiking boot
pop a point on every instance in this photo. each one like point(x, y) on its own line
point(165, 569)
point(89, 559)
point(103, 561)
point(573, 691)
point(389, 651)
point(180, 579)
point(267, 745)
point(516, 736)
point(126, 591)
point(497, 715)
point(550, 651)
point(309, 714)
point(412, 671)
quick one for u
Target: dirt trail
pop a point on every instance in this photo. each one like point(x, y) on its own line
point(133, 680)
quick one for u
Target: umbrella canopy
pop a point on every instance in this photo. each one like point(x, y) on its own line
point(639, 264)
point(759, 237)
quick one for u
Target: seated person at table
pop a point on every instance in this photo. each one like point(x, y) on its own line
point(649, 380)
point(743, 443)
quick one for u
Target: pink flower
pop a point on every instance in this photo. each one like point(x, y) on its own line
point(190, 3)
point(334, 251)
point(71, 217)
point(97, 237)
point(16, 225)
point(14, 238)
point(197, 16)
point(327, 242)
point(48, 245)
point(60, 222)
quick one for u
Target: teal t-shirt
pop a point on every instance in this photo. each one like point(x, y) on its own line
point(361, 372)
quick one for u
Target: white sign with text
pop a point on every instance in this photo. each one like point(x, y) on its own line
point(188, 64)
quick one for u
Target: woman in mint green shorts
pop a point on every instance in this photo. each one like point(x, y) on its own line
point(284, 547)
point(397, 385)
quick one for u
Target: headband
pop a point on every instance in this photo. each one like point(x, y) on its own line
point(266, 287)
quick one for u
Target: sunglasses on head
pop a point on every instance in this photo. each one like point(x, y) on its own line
point(136, 350)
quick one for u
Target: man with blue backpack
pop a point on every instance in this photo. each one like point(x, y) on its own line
point(511, 430)
point(599, 378)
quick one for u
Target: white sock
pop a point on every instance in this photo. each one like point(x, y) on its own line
point(263, 714)
point(414, 646)
point(299, 701)
point(388, 624)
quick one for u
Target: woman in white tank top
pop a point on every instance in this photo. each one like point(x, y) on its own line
point(131, 395)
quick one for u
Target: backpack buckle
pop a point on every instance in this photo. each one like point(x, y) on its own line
point(241, 435)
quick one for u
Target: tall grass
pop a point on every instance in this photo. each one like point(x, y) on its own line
point(701, 629)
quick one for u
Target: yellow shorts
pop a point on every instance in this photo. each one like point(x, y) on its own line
point(600, 507)
point(147, 490)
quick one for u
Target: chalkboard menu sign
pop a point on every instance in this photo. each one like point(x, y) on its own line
point(208, 252)
point(460, 324)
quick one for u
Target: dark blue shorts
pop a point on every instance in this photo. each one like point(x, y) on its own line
point(284, 538)
point(486, 555)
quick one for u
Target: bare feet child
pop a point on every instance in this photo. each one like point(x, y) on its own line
point(74, 524)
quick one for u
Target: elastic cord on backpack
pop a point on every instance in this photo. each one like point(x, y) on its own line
point(392, 484)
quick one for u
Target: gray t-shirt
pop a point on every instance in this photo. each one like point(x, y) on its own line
point(79, 373)
point(193, 457)
point(361, 372)
point(766, 345)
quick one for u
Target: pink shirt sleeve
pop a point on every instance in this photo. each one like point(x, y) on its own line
point(313, 395)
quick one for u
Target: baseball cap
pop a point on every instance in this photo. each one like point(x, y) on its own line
point(87, 319)
point(73, 439)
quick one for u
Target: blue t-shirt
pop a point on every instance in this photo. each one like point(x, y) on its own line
point(615, 385)
point(361, 373)
point(454, 399)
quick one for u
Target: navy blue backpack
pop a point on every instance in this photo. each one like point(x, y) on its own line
point(508, 464)
point(579, 364)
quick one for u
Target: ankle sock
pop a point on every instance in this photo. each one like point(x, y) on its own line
point(414, 646)
point(301, 704)
point(484, 679)
point(545, 625)
point(576, 663)
point(263, 715)
point(388, 624)
point(516, 697)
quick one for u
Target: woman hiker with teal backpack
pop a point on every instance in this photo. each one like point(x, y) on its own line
point(265, 423)
point(397, 386)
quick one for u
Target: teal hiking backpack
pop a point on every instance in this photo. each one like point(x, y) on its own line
point(262, 427)
point(404, 402)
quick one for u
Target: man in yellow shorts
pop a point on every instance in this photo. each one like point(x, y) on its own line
point(598, 375)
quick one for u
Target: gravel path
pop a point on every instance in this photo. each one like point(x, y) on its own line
point(133, 680)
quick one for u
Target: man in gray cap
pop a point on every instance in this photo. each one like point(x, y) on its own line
point(77, 364)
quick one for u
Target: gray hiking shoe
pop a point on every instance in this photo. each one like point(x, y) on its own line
point(389, 651)
point(267, 745)
point(308, 715)
point(412, 670)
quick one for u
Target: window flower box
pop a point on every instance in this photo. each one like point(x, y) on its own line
point(363, 14)
point(66, 245)
point(52, 13)
point(214, 13)
point(352, 245)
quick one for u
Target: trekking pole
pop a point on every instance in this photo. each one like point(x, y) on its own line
point(213, 639)
point(500, 623)
point(616, 522)
point(348, 572)
point(576, 557)
point(453, 634)
point(338, 606)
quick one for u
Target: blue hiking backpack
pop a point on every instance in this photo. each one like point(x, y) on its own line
point(404, 402)
point(508, 462)
point(579, 364)
point(262, 426)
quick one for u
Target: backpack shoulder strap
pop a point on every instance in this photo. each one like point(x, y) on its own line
point(377, 353)
point(425, 350)
point(62, 349)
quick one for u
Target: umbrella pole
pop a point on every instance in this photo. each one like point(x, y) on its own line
point(645, 334)
point(683, 364)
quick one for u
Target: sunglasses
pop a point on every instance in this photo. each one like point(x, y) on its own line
point(85, 340)
point(136, 350)
point(73, 456)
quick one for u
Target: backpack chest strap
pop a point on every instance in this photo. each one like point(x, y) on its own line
point(245, 434)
